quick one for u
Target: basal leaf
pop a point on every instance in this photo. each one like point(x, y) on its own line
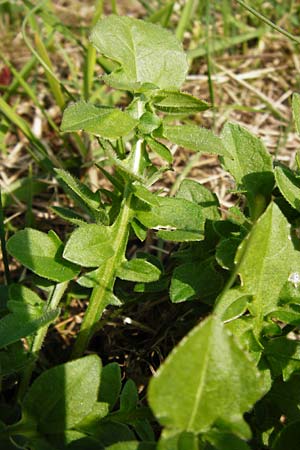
point(138, 269)
point(63, 395)
point(89, 245)
point(195, 192)
point(134, 45)
point(106, 122)
point(41, 253)
point(268, 260)
point(176, 216)
point(214, 380)
point(289, 185)
point(194, 138)
point(176, 102)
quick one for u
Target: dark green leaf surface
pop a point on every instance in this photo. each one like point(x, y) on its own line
point(105, 122)
point(283, 355)
point(89, 245)
point(288, 438)
point(249, 162)
point(288, 185)
point(214, 377)
point(41, 253)
point(134, 45)
point(195, 138)
point(195, 279)
point(110, 386)
point(63, 395)
point(17, 326)
point(138, 270)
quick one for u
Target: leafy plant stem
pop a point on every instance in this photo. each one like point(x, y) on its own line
point(99, 298)
point(52, 303)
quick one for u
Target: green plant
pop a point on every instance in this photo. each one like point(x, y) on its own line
point(244, 268)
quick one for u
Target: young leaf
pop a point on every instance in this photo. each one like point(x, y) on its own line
point(41, 253)
point(267, 260)
point(102, 121)
point(225, 441)
point(134, 45)
point(110, 386)
point(17, 326)
point(63, 395)
point(195, 192)
point(194, 138)
point(139, 270)
point(89, 245)
point(176, 102)
point(68, 215)
point(14, 359)
point(182, 219)
point(249, 162)
point(283, 355)
point(215, 379)
point(129, 397)
point(289, 185)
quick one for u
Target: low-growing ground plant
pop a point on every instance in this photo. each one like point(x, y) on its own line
point(233, 381)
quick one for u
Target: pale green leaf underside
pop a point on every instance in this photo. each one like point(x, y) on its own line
point(106, 122)
point(195, 138)
point(146, 53)
point(268, 260)
point(213, 378)
point(41, 253)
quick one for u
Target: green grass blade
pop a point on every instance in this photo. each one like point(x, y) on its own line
point(3, 243)
point(185, 18)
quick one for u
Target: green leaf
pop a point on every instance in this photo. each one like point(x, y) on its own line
point(134, 45)
point(195, 192)
point(68, 215)
point(63, 395)
point(129, 397)
point(148, 122)
point(283, 355)
point(176, 102)
point(138, 269)
point(289, 185)
point(288, 438)
point(182, 219)
point(194, 138)
point(88, 200)
point(214, 380)
point(92, 420)
point(102, 121)
point(110, 386)
point(14, 359)
point(267, 260)
point(89, 245)
point(24, 301)
point(232, 304)
point(160, 149)
point(143, 194)
point(195, 279)
point(296, 111)
point(249, 162)
point(17, 326)
point(177, 441)
point(41, 253)
point(132, 445)
point(226, 251)
point(225, 441)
